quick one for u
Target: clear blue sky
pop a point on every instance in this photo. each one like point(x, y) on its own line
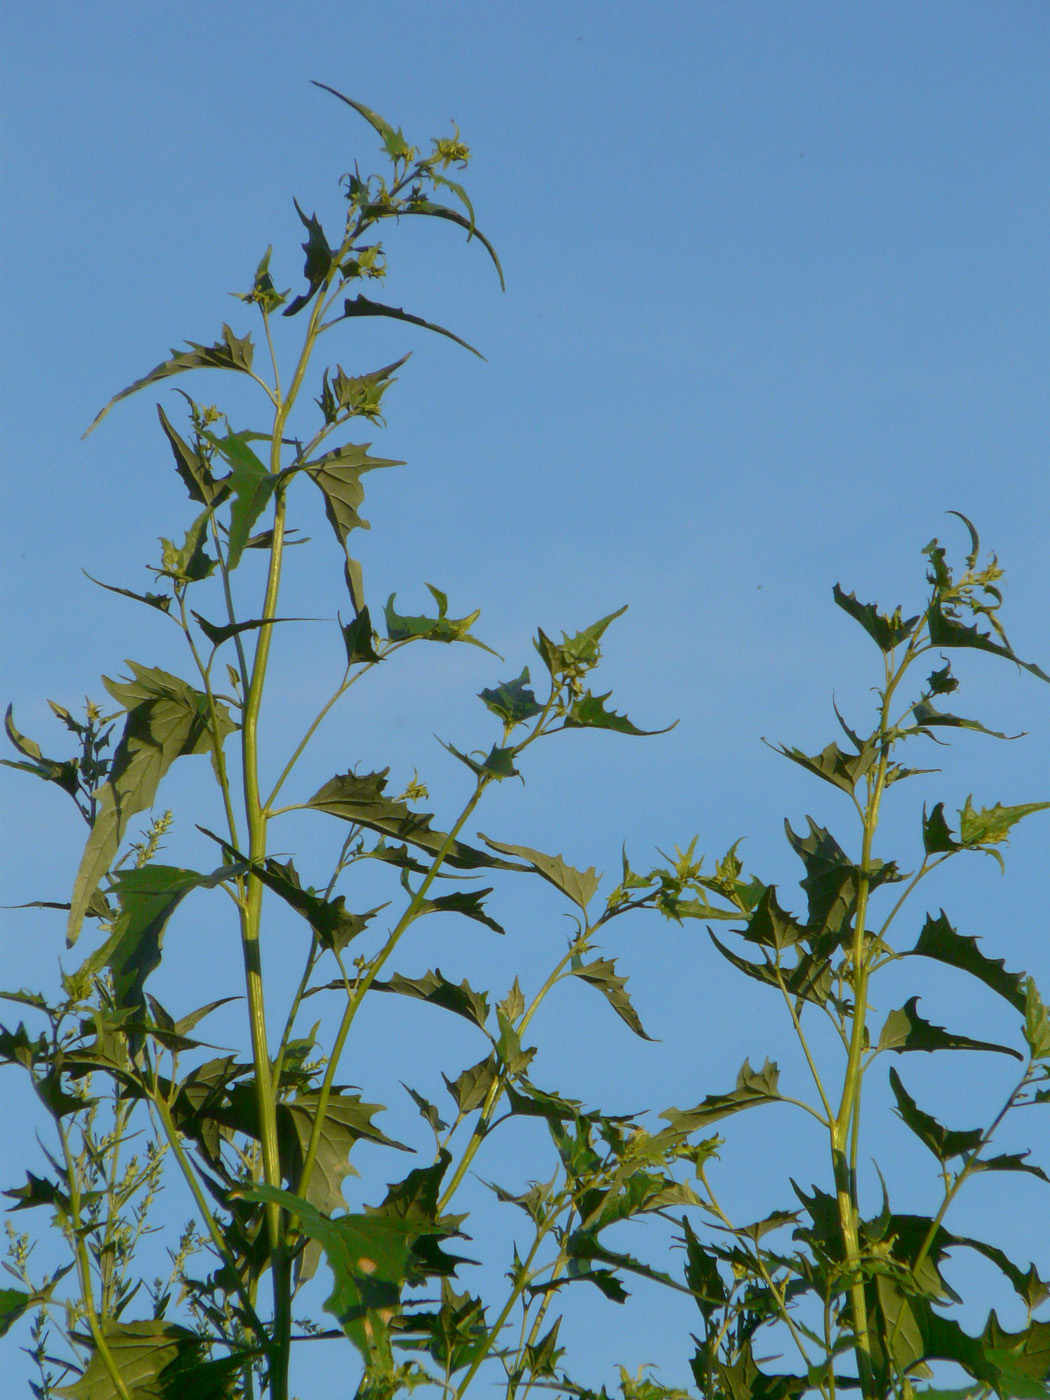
point(777, 299)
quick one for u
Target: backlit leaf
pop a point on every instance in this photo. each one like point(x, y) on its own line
point(940, 941)
point(362, 306)
point(513, 701)
point(943, 1142)
point(432, 629)
point(947, 631)
point(907, 1030)
point(579, 885)
point(752, 1087)
point(588, 712)
point(887, 632)
point(601, 973)
point(432, 987)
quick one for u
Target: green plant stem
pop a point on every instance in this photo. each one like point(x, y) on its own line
point(501, 1321)
point(76, 1235)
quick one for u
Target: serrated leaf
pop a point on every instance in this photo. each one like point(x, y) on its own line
point(949, 632)
point(337, 475)
point(944, 1143)
point(579, 885)
point(579, 653)
point(770, 926)
point(1037, 1022)
point(842, 770)
point(588, 712)
point(936, 833)
point(432, 629)
point(362, 800)
point(498, 763)
point(990, 826)
point(161, 601)
point(885, 631)
point(369, 1256)
point(601, 973)
point(436, 989)
point(217, 633)
point(428, 208)
point(809, 980)
point(512, 701)
point(907, 1030)
point(195, 472)
point(251, 485)
point(145, 1354)
point(426, 1108)
point(319, 260)
point(65, 774)
point(359, 640)
point(940, 941)
point(189, 562)
point(928, 717)
point(230, 352)
point(347, 1120)
point(752, 1087)
point(363, 306)
point(166, 719)
point(465, 902)
point(148, 898)
point(470, 1088)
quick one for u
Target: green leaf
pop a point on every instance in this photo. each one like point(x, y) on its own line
point(842, 770)
point(601, 973)
point(252, 486)
point(142, 1352)
point(369, 1256)
point(978, 830)
point(161, 601)
point(830, 880)
point(498, 763)
point(809, 980)
point(936, 833)
point(947, 631)
point(66, 774)
point(1037, 1022)
point(752, 1087)
point(579, 885)
point(166, 719)
point(228, 353)
point(432, 629)
point(578, 653)
point(470, 1088)
point(940, 941)
point(337, 475)
point(148, 898)
point(770, 926)
point(13, 1303)
point(359, 640)
point(190, 561)
point(527, 1101)
point(264, 291)
point(319, 259)
point(346, 1121)
point(907, 1030)
point(429, 209)
point(886, 632)
point(362, 306)
point(195, 472)
point(588, 712)
point(944, 1143)
point(928, 717)
point(512, 700)
point(219, 633)
point(361, 800)
point(465, 902)
point(436, 989)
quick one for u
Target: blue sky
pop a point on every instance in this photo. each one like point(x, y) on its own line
point(777, 296)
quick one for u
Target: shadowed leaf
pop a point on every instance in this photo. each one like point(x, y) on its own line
point(601, 973)
point(579, 885)
point(940, 941)
point(907, 1030)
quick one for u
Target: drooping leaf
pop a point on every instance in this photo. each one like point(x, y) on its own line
point(944, 1143)
point(362, 306)
point(588, 712)
point(948, 631)
point(885, 631)
point(362, 800)
point(928, 717)
point(337, 475)
point(230, 352)
point(601, 973)
point(513, 701)
point(907, 1030)
point(579, 885)
point(752, 1087)
point(148, 896)
point(429, 209)
point(809, 980)
point(166, 719)
point(64, 773)
point(436, 989)
point(940, 941)
point(432, 629)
